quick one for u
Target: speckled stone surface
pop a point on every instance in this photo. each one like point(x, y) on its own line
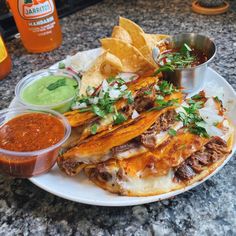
point(209, 209)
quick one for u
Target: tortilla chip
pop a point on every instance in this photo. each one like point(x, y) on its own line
point(156, 37)
point(134, 31)
point(132, 60)
point(120, 33)
point(104, 66)
point(143, 42)
point(111, 65)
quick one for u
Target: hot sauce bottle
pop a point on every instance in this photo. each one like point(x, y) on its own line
point(5, 61)
point(38, 24)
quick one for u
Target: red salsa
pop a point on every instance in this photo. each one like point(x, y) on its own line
point(27, 133)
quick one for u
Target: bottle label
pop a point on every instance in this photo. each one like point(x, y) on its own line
point(3, 51)
point(35, 9)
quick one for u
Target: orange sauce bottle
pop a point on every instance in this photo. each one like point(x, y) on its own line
point(38, 24)
point(5, 61)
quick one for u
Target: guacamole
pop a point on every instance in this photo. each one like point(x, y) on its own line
point(49, 90)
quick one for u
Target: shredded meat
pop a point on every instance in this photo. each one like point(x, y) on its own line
point(125, 147)
point(144, 99)
point(102, 173)
point(162, 124)
point(128, 109)
point(210, 153)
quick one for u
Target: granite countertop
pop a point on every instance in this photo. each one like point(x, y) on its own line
point(209, 209)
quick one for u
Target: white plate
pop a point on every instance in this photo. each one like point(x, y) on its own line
point(80, 189)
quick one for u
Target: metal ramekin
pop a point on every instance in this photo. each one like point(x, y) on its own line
point(191, 79)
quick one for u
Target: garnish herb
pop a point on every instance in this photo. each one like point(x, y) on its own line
point(167, 88)
point(102, 102)
point(217, 99)
point(98, 111)
point(94, 128)
point(197, 96)
point(192, 119)
point(61, 65)
point(119, 118)
point(148, 92)
point(57, 84)
point(167, 67)
point(81, 110)
point(130, 98)
point(199, 131)
point(175, 59)
point(172, 132)
point(163, 104)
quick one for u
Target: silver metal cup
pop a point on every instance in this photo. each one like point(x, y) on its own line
point(191, 79)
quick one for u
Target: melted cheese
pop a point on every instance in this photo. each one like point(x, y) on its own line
point(147, 185)
point(131, 152)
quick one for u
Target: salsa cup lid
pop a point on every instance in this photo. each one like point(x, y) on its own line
point(10, 113)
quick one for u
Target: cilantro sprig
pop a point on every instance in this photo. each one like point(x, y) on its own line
point(166, 88)
point(57, 84)
point(191, 118)
point(175, 59)
point(161, 104)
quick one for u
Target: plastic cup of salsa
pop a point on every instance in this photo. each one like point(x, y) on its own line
point(54, 89)
point(30, 140)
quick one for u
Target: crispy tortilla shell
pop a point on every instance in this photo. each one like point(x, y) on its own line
point(77, 118)
point(152, 184)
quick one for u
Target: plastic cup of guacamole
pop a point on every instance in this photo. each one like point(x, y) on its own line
point(52, 89)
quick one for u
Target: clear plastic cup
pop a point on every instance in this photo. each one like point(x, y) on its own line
point(61, 106)
point(28, 164)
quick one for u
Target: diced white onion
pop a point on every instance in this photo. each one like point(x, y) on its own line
point(211, 129)
point(127, 77)
point(156, 87)
point(135, 114)
point(93, 100)
point(79, 105)
point(123, 87)
point(114, 93)
point(209, 113)
point(105, 85)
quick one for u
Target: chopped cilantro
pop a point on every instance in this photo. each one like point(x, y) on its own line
point(176, 59)
point(167, 67)
point(84, 109)
point(166, 88)
point(61, 65)
point(217, 99)
point(148, 92)
point(119, 118)
point(172, 132)
point(199, 131)
point(197, 96)
point(130, 98)
point(98, 111)
point(94, 128)
point(163, 104)
point(111, 79)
